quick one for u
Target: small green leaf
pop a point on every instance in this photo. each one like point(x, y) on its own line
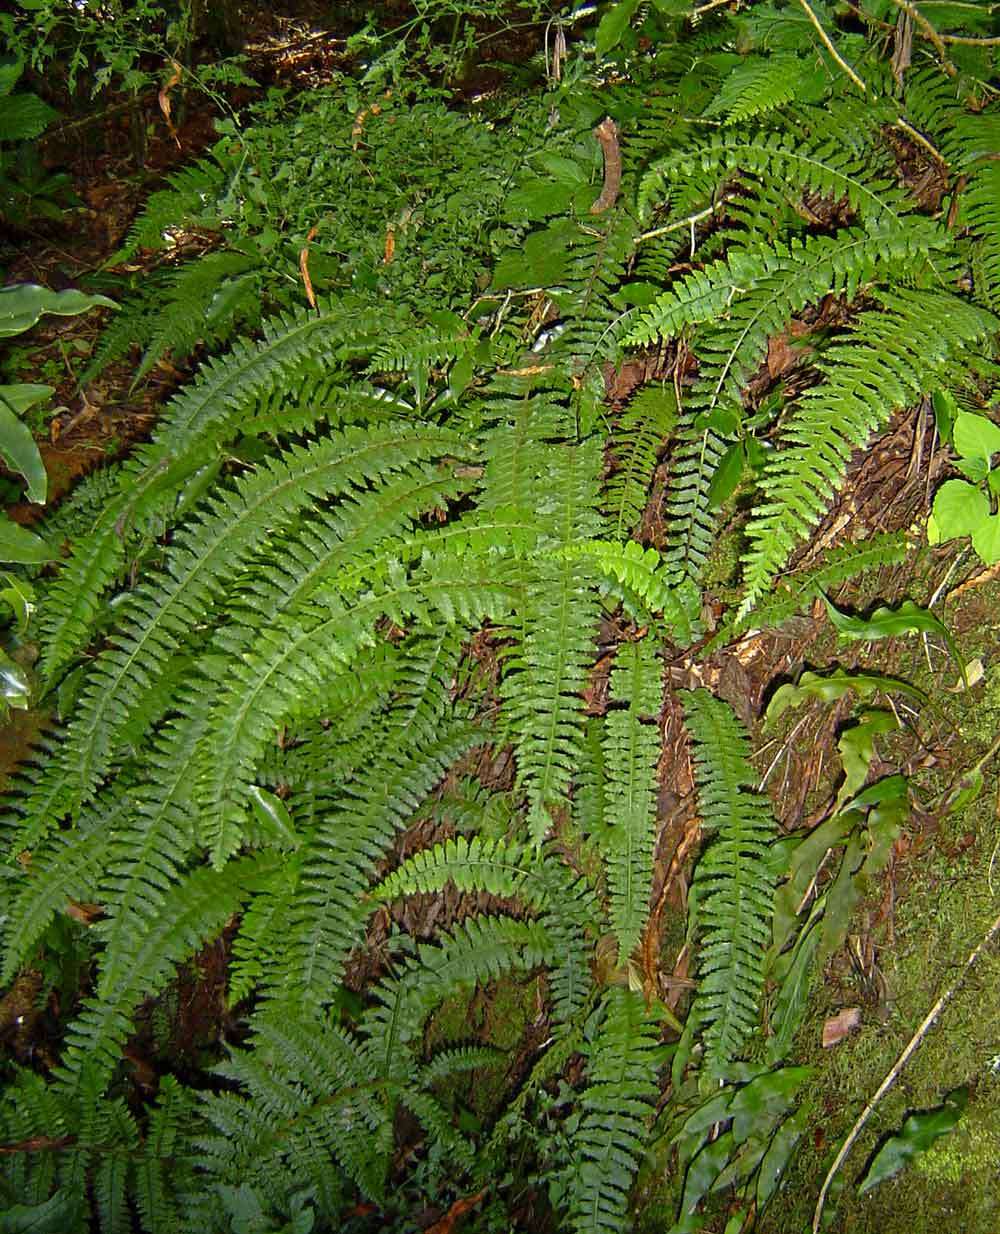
point(857, 749)
point(986, 539)
point(22, 305)
point(765, 1099)
point(613, 25)
point(20, 595)
point(945, 412)
point(726, 477)
point(19, 451)
point(959, 508)
point(273, 813)
point(796, 981)
point(779, 1154)
point(22, 396)
point(976, 436)
point(15, 688)
point(919, 1132)
point(23, 546)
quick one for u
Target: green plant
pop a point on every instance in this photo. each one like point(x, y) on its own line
point(966, 507)
point(388, 624)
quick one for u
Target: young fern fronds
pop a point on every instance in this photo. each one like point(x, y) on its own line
point(888, 361)
point(616, 1110)
point(733, 892)
point(631, 751)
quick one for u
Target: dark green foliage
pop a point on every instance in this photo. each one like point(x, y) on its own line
point(360, 661)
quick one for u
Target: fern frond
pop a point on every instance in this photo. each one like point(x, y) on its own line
point(178, 206)
point(631, 752)
point(639, 434)
point(205, 556)
point(792, 593)
point(329, 913)
point(616, 1110)
point(277, 675)
point(194, 421)
point(197, 908)
point(481, 949)
point(308, 1099)
point(476, 864)
point(733, 890)
point(763, 84)
point(829, 167)
point(559, 620)
point(981, 211)
point(889, 360)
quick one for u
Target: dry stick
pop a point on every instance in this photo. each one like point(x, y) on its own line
point(607, 134)
point(831, 49)
point(913, 12)
point(897, 1068)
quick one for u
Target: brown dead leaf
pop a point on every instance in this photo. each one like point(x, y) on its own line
point(458, 1210)
point(782, 355)
point(84, 913)
point(163, 98)
point(839, 1026)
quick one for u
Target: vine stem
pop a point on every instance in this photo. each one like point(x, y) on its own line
point(897, 1067)
point(828, 44)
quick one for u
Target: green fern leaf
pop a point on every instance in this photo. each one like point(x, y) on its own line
point(616, 1109)
point(733, 892)
point(631, 752)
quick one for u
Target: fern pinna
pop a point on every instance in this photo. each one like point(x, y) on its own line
point(361, 662)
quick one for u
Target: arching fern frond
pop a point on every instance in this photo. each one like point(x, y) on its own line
point(885, 363)
point(733, 889)
point(193, 422)
point(639, 434)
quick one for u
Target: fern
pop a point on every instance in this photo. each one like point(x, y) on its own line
point(616, 1109)
point(888, 361)
point(640, 433)
point(733, 888)
point(631, 752)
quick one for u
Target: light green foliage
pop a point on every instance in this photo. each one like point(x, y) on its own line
point(335, 641)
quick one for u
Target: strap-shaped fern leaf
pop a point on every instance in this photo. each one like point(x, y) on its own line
point(631, 751)
point(733, 889)
point(887, 362)
point(616, 1110)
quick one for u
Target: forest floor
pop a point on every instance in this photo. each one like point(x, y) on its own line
point(909, 938)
